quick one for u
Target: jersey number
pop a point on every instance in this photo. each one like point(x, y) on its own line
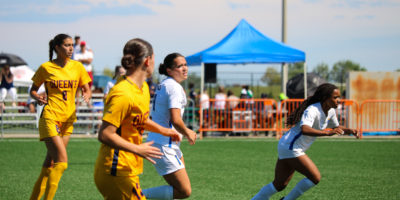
point(64, 94)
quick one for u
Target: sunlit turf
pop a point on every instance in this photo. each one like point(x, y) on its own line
point(221, 168)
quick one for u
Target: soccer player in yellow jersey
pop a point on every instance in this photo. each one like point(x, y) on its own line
point(125, 117)
point(61, 78)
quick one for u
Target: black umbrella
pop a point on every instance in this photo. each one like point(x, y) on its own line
point(11, 60)
point(295, 86)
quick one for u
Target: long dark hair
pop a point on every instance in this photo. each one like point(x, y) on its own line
point(135, 51)
point(323, 92)
point(58, 40)
point(168, 63)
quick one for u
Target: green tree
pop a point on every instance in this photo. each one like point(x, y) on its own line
point(295, 68)
point(271, 77)
point(322, 69)
point(341, 68)
point(108, 72)
point(192, 78)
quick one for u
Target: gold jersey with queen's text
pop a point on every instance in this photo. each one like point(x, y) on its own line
point(127, 108)
point(61, 84)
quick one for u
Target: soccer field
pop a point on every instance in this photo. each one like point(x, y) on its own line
point(221, 168)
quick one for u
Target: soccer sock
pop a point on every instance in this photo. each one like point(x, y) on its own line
point(162, 192)
point(301, 187)
point(40, 185)
point(265, 192)
point(54, 178)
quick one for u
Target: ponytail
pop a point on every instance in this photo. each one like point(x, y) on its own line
point(58, 40)
point(169, 62)
point(51, 49)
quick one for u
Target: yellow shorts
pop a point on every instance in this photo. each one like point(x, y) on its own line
point(51, 128)
point(118, 187)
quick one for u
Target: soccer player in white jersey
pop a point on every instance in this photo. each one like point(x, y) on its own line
point(308, 121)
point(168, 107)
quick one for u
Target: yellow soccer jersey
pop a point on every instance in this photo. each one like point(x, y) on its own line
point(61, 84)
point(127, 108)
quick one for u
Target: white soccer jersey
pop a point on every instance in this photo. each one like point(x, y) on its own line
point(169, 94)
point(314, 117)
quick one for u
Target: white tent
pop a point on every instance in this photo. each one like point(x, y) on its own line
point(22, 75)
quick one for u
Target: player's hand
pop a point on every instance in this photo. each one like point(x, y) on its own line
point(148, 152)
point(41, 100)
point(175, 136)
point(191, 136)
point(353, 132)
point(86, 97)
point(336, 131)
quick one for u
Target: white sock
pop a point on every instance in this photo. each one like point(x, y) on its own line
point(265, 192)
point(301, 187)
point(161, 192)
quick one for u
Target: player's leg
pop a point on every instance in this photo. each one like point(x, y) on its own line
point(283, 174)
point(55, 146)
point(172, 167)
point(180, 181)
point(305, 166)
point(41, 182)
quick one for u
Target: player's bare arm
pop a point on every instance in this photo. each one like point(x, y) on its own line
point(179, 125)
point(108, 135)
point(151, 126)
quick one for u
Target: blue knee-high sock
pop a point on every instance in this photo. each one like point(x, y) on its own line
point(265, 192)
point(301, 187)
point(162, 192)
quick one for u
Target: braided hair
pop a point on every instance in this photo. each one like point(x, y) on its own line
point(323, 92)
point(58, 40)
point(135, 52)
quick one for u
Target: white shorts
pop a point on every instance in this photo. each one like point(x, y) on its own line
point(171, 160)
point(284, 153)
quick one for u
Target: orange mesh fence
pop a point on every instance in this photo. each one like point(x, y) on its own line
point(249, 115)
point(242, 115)
point(380, 116)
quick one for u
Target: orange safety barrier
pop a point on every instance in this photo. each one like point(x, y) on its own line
point(247, 115)
point(285, 109)
point(379, 115)
point(243, 115)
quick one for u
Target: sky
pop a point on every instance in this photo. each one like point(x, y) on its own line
point(366, 32)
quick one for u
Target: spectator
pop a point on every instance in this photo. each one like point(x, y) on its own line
point(152, 87)
point(32, 103)
point(192, 95)
point(118, 72)
point(85, 57)
point(220, 99)
point(7, 85)
point(247, 92)
point(219, 106)
point(205, 106)
point(233, 100)
point(77, 46)
point(204, 100)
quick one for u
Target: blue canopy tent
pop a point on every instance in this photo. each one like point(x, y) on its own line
point(243, 45)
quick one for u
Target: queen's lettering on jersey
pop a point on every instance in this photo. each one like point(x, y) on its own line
point(63, 83)
point(138, 122)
